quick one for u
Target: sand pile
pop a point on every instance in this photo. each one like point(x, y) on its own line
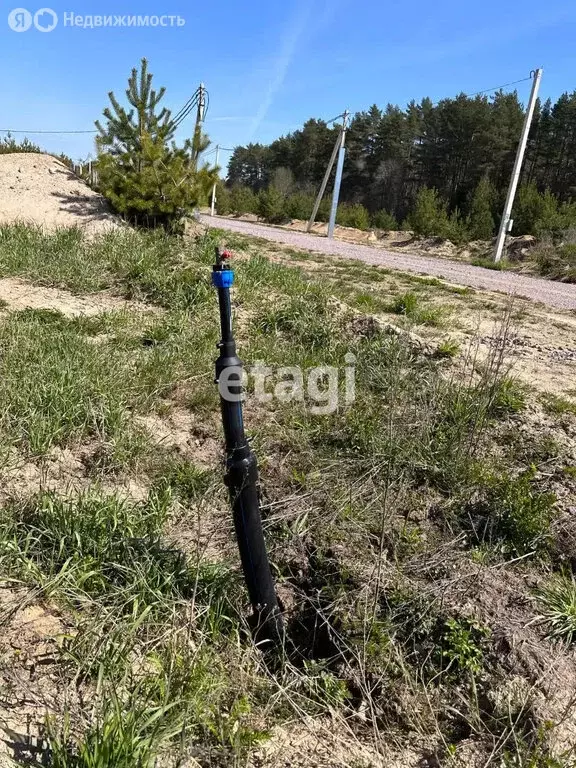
point(39, 189)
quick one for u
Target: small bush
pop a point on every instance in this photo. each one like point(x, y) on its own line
point(455, 228)
point(8, 145)
point(299, 205)
point(536, 212)
point(480, 220)
point(429, 217)
point(223, 200)
point(462, 645)
point(556, 262)
point(243, 200)
point(384, 220)
point(271, 205)
point(355, 216)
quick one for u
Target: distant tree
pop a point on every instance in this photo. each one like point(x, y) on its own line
point(353, 216)
point(249, 167)
point(141, 171)
point(384, 220)
point(283, 180)
point(271, 205)
point(243, 200)
point(9, 144)
point(535, 212)
point(458, 147)
point(223, 203)
point(480, 219)
point(429, 216)
point(299, 205)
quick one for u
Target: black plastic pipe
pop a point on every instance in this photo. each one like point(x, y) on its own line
point(242, 469)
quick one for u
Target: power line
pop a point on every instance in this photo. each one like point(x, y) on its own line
point(193, 102)
point(499, 87)
point(10, 130)
point(469, 95)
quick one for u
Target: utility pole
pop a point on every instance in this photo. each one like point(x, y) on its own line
point(213, 202)
point(200, 113)
point(338, 179)
point(506, 223)
point(338, 146)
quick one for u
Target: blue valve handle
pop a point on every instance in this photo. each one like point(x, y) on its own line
point(223, 278)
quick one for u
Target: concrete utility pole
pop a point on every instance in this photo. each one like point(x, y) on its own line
point(201, 102)
point(200, 114)
point(506, 223)
point(338, 146)
point(338, 179)
point(213, 203)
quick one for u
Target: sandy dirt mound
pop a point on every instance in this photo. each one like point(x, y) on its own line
point(39, 189)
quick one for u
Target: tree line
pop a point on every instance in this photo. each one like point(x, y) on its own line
point(437, 168)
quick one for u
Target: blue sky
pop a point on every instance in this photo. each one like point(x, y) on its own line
point(270, 65)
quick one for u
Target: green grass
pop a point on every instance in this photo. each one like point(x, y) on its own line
point(104, 546)
point(63, 385)
point(409, 305)
point(559, 602)
point(558, 406)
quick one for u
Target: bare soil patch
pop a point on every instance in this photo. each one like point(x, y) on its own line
point(17, 294)
point(39, 189)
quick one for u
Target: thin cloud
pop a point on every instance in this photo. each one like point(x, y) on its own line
point(280, 68)
point(229, 119)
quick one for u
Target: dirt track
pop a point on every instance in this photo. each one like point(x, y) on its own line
point(559, 295)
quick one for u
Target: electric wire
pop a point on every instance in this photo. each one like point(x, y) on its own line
point(193, 101)
point(11, 130)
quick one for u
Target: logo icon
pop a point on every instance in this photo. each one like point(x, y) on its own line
point(45, 20)
point(20, 20)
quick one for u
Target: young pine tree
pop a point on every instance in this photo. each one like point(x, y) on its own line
point(144, 175)
point(429, 218)
point(271, 205)
point(480, 220)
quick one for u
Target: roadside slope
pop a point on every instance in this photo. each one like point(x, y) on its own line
point(38, 189)
point(558, 295)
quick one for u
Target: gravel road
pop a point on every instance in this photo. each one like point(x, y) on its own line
point(558, 295)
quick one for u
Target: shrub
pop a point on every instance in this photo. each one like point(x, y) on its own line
point(480, 220)
point(223, 201)
point(243, 200)
point(429, 217)
point(299, 205)
point(462, 644)
point(384, 220)
point(536, 212)
point(8, 144)
point(556, 262)
point(355, 216)
point(455, 228)
point(141, 171)
point(271, 204)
